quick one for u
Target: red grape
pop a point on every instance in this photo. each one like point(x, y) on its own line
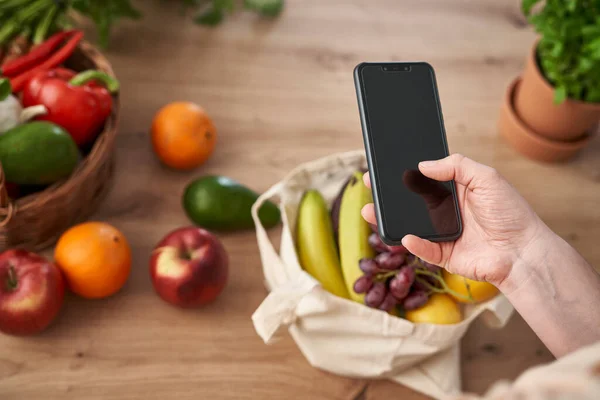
point(398, 288)
point(390, 261)
point(419, 286)
point(363, 284)
point(400, 285)
point(415, 300)
point(431, 267)
point(376, 294)
point(376, 243)
point(388, 302)
point(369, 266)
point(406, 275)
point(397, 249)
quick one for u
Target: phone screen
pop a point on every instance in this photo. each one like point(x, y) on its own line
point(402, 125)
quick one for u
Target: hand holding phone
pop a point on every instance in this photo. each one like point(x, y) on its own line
point(402, 125)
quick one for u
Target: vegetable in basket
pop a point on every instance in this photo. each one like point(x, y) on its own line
point(37, 153)
point(48, 55)
point(10, 108)
point(34, 20)
point(74, 101)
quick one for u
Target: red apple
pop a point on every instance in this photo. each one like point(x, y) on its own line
point(189, 267)
point(31, 292)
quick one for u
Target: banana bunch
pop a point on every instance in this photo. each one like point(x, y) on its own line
point(317, 232)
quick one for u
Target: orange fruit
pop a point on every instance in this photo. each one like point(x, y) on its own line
point(183, 135)
point(95, 259)
point(468, 288)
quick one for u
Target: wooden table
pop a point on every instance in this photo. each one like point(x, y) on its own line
point(281, 93)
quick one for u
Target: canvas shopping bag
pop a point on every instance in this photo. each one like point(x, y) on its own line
point(340, 335)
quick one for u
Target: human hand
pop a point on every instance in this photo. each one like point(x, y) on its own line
point(498, 224)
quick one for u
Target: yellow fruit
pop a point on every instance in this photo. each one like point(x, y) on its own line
point(478, 291)
point(439, 309)
point(316, 244)
point(354, 231)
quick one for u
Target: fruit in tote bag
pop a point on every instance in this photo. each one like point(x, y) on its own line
point(335, 207)
point(222, 204)
point(472, 291)
point(95, 259)
point(37, 153)
point(440, 309)
point(189, 267)
point(316, 244)
point(354, 232)
point(183, 135)
point(31, 292)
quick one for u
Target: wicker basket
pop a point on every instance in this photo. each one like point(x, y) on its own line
point(36, 221)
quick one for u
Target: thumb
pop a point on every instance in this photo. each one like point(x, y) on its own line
point(424, 249)
point(456, 167)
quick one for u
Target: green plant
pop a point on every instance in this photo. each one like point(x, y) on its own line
point(569, 47)
point(35, 19)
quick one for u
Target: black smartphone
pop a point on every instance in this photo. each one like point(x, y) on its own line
point(402, 125)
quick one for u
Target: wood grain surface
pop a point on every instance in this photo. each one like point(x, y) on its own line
point(281, 93)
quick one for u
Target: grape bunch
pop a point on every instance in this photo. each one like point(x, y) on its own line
point(396, 278)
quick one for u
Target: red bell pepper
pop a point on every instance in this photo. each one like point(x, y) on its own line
point(74, 101)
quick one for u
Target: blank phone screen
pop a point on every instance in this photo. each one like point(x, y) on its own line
point(404, 126)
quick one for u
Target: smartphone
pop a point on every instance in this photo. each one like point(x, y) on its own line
point(402, 125)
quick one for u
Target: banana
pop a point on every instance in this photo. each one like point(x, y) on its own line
point(316, 244)
point(354, 232)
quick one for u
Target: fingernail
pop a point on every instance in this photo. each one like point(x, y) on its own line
point(426, 164)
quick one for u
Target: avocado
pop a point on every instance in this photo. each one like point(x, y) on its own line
point(37, 153)
point(222, 204)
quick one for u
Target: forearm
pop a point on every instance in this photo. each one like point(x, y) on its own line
point(557, 293)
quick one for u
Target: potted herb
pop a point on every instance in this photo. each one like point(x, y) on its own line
point(551, 111)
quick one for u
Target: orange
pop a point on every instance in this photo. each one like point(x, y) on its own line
point(95, 259)
point(468, 288)
point(183, 135)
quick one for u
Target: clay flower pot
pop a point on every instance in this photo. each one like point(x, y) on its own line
point(535, 106)
point(527, 141)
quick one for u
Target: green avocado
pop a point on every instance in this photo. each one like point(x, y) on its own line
point(37, 153)
point(222, 204)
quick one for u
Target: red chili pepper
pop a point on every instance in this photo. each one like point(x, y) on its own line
point(18, 82)
point(75, 102)
point(35, 56)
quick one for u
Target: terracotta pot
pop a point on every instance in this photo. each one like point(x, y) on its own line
point(534, 102)
point(528, 142)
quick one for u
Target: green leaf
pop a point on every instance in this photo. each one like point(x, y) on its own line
point(5, 89)
point(557, 49)
point(571, 5)
point(593, 95)
point(270, 8)
point(211, 17)
point(225, 5)
point(527, 5)
point(585, 64)
point(593, 45)
point(560, 95)
point(590, 30)
point(595, 54)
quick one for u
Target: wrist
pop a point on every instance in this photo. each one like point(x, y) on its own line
point(530, 258)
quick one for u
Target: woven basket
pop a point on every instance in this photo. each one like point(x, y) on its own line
point(35, 222)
